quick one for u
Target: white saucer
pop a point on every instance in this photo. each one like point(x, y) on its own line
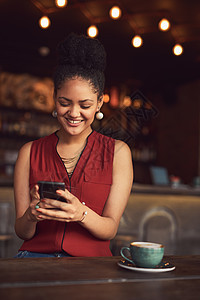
point(162, 267)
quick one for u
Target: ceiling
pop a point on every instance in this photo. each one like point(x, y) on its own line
point(153, 65)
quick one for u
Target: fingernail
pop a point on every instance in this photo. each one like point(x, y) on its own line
point(59, 192)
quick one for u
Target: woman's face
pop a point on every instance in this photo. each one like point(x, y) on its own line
point(76, 105)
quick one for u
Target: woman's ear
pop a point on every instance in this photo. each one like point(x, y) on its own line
point(100, 103)
point(54, 96)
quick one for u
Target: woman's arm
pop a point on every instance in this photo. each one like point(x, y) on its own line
point(105, 226)
point(26, 215)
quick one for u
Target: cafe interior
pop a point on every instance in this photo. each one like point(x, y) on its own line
point(151, 101)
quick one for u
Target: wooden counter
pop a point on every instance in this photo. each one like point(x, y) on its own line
point(96, 278)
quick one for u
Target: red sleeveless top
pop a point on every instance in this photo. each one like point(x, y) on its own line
point(90, 183)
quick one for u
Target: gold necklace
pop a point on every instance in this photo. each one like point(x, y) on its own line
point(71, 161)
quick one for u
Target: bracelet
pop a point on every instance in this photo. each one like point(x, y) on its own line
point(84, 214)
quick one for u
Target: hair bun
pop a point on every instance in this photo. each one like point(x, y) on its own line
point(82, 51)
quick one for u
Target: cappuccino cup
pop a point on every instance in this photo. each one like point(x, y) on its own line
point(144, 254)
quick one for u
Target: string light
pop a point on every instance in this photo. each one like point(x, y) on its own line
point(44, 22)
point(92, 31)
point(61, 3)
point(115, 12)
point(177, 49)
point(164, 25)
point(137, 41)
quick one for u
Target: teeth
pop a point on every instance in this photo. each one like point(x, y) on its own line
point(73, 122)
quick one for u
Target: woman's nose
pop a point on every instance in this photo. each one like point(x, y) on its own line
point(74, 111)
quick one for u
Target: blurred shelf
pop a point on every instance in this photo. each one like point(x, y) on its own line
point(182, 189)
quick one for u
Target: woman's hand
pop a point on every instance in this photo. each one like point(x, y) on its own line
point(35, 200)
point(34, 204)
point(70, 211)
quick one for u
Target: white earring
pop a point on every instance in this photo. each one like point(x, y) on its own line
point(54, 113)
point(99, 115)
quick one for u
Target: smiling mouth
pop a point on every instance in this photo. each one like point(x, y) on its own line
point(74, 121)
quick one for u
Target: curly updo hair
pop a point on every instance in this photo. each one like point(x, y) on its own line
point(81, 57)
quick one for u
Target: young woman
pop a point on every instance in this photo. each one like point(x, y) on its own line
point(97, 170)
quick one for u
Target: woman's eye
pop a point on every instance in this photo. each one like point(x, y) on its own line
point(64, 104)
point(85, 106)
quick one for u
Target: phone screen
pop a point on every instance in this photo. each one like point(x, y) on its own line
point(47, 189)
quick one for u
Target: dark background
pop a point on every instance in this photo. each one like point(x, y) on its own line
point(171, 83)
point(152, 66)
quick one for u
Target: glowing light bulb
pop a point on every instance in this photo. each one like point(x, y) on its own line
point(44, 22)
point(44, 51)
point(137, 103)
point(61, 3)
point(177, 49)
point(106, 98)
point(127, 101)
point(92, 31)
point(137, 41)
point(115, 12)
point(164, 25)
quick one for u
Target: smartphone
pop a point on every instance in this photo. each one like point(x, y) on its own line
point(47, 189)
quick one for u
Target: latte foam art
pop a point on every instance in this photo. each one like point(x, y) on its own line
point(146, 245)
